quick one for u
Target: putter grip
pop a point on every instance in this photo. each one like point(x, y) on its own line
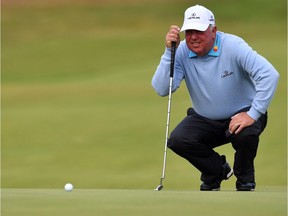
point(173, 50)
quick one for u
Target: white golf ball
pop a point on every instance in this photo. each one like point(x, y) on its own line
point(68, 187)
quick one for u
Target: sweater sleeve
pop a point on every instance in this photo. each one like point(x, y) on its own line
point(263, 74)
point(161, 78)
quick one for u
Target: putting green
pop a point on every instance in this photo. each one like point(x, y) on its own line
point(263, 202)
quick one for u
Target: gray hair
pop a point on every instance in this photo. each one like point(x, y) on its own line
point(211, 26)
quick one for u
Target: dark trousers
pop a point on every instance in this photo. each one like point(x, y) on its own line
point(195, 138)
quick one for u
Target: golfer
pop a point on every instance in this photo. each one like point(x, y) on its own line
point(231, 87)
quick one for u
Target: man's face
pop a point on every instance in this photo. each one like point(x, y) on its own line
point(200, 42)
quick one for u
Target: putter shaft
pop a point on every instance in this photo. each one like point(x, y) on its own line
point(173, 49)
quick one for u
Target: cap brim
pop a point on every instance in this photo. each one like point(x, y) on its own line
point(194, 26)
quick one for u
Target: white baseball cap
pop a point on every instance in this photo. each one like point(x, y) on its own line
point(197, 18)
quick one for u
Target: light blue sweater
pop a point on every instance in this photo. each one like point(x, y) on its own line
point(229, 78)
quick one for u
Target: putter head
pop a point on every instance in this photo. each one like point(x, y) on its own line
point(160, 187)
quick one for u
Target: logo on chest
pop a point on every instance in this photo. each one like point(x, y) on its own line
point(226, 74)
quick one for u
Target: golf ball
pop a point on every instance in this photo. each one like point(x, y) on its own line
point(68, 187)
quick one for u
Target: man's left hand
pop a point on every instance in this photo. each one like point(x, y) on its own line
point(240, 121)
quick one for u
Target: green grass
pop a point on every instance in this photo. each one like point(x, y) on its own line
point(77, 104)
point(106, 202)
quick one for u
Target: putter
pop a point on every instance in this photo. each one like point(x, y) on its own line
point(173, 50)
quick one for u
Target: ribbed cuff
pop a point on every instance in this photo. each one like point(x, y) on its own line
point(253, 113)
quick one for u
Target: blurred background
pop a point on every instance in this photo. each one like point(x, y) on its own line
point(77, 103)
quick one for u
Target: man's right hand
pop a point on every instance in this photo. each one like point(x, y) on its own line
point(173, 35)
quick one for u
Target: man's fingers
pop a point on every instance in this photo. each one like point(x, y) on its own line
point(173, 35)
point(234, 128)
point(239, 128)
point(175, 28)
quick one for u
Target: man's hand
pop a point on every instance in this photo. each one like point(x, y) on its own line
point(173, 35)
point(240, 121)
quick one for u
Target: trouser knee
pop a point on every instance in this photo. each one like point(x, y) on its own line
point(175, 144)
point(187, 148)
point(180, 145)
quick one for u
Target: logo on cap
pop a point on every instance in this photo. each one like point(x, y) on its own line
point(194, 16)
point(211, 18)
